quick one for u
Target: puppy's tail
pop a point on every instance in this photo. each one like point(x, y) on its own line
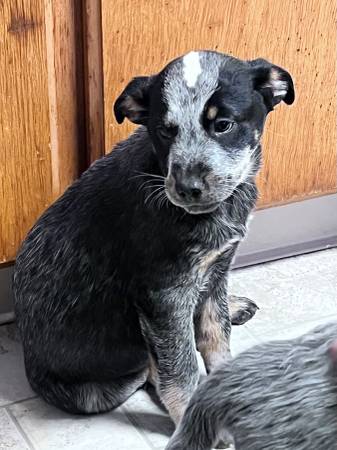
point(87, 397)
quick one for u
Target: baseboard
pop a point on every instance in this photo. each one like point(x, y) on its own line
point(6, 303)
point(289, 230)
point(274, 233)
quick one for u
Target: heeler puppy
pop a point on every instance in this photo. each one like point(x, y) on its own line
point(124, 277)
point(276, 396)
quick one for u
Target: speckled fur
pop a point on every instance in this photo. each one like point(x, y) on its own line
point(276, 396)
point(111, 273)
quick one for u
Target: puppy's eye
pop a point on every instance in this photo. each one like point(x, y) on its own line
point(223, 126)
point(167, 132)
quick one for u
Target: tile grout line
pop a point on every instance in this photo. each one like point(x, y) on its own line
point(136, 425)
point(17, 402)
point(251, 334)
point(21, 431)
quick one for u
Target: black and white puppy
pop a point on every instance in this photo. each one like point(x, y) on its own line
point(280, 395)
point(125, 276)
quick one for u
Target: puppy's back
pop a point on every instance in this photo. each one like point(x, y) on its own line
point(280, 395)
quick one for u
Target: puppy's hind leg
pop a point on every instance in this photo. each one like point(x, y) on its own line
point(88, 397)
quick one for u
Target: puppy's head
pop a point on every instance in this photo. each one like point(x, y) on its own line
point(205, 114)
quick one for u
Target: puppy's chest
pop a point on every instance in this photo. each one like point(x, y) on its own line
point(204, 260)
point(216, 247)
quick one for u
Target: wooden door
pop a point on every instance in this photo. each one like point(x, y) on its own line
point(39, 112)
point(140, 36)
point(63, 64)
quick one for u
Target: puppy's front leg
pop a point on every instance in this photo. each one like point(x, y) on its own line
point(213, 334)
point(167, 326)
point(213, 321)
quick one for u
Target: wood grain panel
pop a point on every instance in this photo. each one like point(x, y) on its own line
point(25, 162)
point(140, 36)
point(41, 111)
point(64, 62)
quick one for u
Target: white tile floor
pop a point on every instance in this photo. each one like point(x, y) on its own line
point(293, 294)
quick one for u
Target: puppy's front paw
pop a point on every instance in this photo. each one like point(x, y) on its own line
point(241, 309)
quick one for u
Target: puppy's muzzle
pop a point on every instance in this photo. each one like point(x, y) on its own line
point(189, 189)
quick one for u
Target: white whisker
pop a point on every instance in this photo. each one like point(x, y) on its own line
point(145, 174)
point(151, 194)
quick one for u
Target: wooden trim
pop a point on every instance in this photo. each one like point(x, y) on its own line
point(50, 50)
point(93, 76)
point(63, 65)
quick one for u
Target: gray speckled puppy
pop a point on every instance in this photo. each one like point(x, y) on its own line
point(124, 277)
point(276, 396)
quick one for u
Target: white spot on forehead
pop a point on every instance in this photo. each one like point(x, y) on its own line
point(183, 106)
point(192, 68)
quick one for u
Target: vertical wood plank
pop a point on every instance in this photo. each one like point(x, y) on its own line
point(41, 108)
point(64, 89)
point(25, 160)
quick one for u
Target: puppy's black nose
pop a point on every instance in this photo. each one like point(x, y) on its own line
point(190, 190)
point(189, 184)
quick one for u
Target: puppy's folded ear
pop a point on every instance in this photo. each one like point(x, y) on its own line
point(274, 83)
point(133, 102)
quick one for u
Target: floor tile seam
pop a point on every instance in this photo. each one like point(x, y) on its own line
point(18, 402)
point(136, 425)
point(19, 428)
